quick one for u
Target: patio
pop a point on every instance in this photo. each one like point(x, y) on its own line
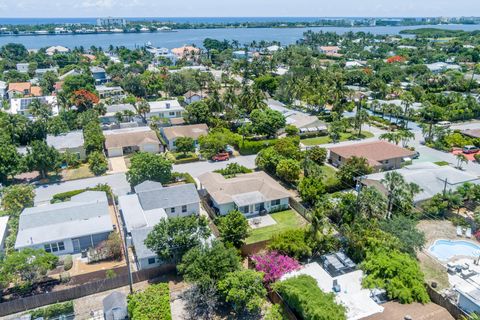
point(261, 221)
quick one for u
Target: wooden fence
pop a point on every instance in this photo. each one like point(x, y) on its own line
point(276, 298)
point(27, 303)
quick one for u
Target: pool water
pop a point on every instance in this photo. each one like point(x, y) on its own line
point(444, 250)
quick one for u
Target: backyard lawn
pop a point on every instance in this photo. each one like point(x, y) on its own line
point(326, 139)
point(81, 172)
point(288, 219)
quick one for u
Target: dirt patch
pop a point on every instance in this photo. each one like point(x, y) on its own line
point(433, 271)
point(437, 229)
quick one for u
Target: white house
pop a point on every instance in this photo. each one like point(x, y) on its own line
point(3, 232)
point(56, 49)
point(129, 140)
point(23, 67)
point(66, 227)
point(251, 193)
point(166, 109)
point(151, 203)
point(3, 89)
point(194, 131)
point(22, 105)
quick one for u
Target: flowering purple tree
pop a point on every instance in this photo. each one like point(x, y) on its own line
point(274, 265)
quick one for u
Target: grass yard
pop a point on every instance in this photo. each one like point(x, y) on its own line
point(81, 172)
point(288, 219)
point(441, 163)
point(329, 175)
point(433, 271)
point(326, 139)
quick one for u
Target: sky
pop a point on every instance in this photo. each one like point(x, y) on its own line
point(237, 8)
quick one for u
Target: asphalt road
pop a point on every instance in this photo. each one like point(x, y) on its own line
point(198, 168)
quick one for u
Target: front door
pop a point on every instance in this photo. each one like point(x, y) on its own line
point(76, 245)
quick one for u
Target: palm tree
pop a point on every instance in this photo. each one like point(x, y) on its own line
point(406, 136)
point(407, 100)
point(461, 158)
point(399, 192)
point(393, 137)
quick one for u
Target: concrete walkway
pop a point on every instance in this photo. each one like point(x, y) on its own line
point(117, 165)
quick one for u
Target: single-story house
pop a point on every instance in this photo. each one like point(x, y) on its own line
point(472, 133)
point(3, 232)
point(23, 67)
point(439, 67)
point(303, 121)
point(22, 105)
point(431, 179)
point(71, 142)
point(331, 51)
point(129, 140)
point(50, 51)
point(150, 203)
point(250, 193)
point(185, 51)
point(67, 227)
point(194, 131)
point(381, 155)
point(192, 96)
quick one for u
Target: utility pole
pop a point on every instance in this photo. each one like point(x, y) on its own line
point(127, 258)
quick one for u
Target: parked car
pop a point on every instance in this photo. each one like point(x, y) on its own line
point(223, 156)
point(470, 149)
point(444, 124)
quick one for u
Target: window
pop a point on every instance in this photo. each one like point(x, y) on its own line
point(244, 209)
point(275, 202)
point(257, 207)
point(172, 210)
point(184, 209)
point(171, 113)
point(54, 247)
point(151, 260)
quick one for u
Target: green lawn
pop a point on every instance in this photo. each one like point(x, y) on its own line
point(329, 175)
point(288, 219)
point(82, 172)
point(326, 139)
point(441, 163)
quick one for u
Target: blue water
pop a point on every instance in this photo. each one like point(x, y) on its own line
point(444, 250)
point(170, 40)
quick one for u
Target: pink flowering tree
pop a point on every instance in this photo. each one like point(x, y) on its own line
point(274, 265)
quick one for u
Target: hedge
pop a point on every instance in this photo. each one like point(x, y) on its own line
point(66, 196)
point(303, 295)
point(53, 311)
point(249, 147)
point(153, 303)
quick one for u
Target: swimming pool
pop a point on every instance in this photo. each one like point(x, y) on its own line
point(444, 250)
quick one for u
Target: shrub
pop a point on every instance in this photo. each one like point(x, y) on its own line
point(249, 147)
point(274, 265)
point(67, 262)
point(291, 130)
point(153, 303)
point(398, 273)
point(317, 155)
point(293, 243)
point(233, 169)
point(97, 163)
point(288, 170)
point(110, 274)
point(477, 157)
point(53, 311)
point(303, 295)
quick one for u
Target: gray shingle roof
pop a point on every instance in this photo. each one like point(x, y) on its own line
point(148, 186)
point(138, 238)
point(68, 140)
point(84, 214)
point(169, 197)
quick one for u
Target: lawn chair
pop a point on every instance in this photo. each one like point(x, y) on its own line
point(468, 233)
point(459, 231)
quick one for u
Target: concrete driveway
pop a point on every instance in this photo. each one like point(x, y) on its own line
point(117, 165)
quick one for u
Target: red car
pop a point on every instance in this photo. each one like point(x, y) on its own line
point(224, 156)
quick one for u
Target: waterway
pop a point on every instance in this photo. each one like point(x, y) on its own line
point(170, 40)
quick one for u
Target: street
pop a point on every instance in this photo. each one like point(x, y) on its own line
point(196, 169)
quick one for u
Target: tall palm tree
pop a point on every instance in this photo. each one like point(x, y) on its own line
point(461, 158)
